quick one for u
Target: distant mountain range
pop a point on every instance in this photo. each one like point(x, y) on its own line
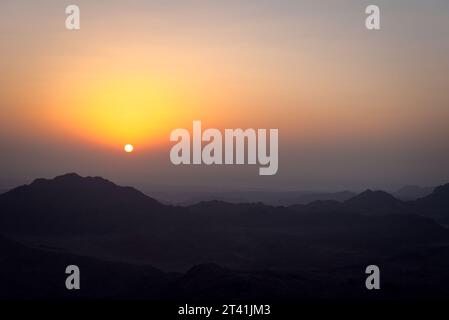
point(274, 198)
point(435, 204)
point(409, 193)
point(71, 204)
point(90, 219)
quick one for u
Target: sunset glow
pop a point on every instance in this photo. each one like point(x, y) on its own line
point(134, 73)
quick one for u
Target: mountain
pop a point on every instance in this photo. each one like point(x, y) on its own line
point(121, 240)
point(273, 198)
point(94, 217)
point(366, 203)
point(35, 274)
point(31, 273)
point(307, 198)
point(374, 202)
point(73, 204)
point(435, 204)
point(409, 193)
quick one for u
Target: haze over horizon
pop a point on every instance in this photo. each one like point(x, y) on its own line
point(355, 109)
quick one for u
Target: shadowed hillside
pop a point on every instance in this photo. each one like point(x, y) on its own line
point(72, 204)
point(28, 273)
point(435, 204)
point(271, 251)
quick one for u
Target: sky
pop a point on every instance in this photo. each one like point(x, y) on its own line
point(354, 108)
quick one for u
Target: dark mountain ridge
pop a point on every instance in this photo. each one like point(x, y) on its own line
point(410, 193)
point(93, 216)
point(71, 203)
point(435, 204)
point(29, 273)
point(374, 202)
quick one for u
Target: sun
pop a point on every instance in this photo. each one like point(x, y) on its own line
point(128, 148)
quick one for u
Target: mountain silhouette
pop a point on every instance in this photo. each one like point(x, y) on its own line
point(72, 204)
point(93, 216)
point(273, 198)
point(29, 273)
point(374, 202)
point(435, 204)
point(409, 193)
point(241, 251)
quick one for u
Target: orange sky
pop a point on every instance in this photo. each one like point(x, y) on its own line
point(137, 70)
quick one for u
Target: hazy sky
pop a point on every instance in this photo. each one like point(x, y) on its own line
point(354, 108)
